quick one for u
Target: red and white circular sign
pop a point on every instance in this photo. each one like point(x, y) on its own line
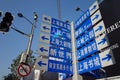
point(24, 70)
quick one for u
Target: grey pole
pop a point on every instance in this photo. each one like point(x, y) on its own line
point(31, 37)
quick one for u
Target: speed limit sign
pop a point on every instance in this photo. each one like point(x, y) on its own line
point(24, 69)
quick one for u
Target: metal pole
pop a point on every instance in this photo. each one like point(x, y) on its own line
point(75, 70)
point(59, 12)
point(31, 37)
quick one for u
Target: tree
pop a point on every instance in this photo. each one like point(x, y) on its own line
point(14, 66)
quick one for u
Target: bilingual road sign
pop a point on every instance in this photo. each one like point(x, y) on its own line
point(24, 70)
point(97, 61)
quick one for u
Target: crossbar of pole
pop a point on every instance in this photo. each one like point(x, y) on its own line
point(20, 32)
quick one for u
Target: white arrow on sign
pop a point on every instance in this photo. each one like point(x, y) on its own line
point(41, 63)
point(46, 28)
point(107, 58)
point(46, 19)
point(99, 28)
point(45, 38)
point(43, 50)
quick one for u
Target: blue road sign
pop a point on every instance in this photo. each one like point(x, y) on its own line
point(41, 63)
point(61, 67)
point(60, 24)
point(97, 61)
point(60, 43)
point(60, 33)
point(87, 50)
point(88, 23)
point(87, 14)
point(59, 53)
point(89, 64)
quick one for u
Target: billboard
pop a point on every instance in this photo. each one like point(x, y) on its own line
point(111, 16)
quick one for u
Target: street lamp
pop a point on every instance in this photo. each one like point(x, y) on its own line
point(79, 9)
point(30, 36)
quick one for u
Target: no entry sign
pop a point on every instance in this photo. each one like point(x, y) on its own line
point(24, 69)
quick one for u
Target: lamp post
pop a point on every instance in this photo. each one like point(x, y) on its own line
point(26, 56)
point(30, 36)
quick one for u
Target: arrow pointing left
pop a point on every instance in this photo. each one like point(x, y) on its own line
point(45, 38)
point(41, 63)
point(42, 49)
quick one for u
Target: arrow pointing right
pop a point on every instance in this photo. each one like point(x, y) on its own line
point(94, 7)
point(102, 41)
point(96, 17)
point(99, 28)
point(107, 57)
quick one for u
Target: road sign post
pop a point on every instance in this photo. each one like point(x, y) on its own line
point(75, 70)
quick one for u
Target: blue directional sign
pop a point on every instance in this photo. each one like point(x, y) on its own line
point(56, 32)
point(59, 53)
point(88, 24)
point(56, 22)
point(58, 66)
point(61, 24)
point(97, 61)
point(60, 43)
point(87, 14)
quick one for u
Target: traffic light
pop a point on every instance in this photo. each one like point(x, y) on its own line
point(6, 22)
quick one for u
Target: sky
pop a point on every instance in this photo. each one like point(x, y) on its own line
point(13, 43)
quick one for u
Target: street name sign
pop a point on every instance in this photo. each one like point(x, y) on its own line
point(62, 67)
point(97, 61)
point(87, 14)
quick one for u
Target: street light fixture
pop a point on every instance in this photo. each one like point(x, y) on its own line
point(79, 9)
